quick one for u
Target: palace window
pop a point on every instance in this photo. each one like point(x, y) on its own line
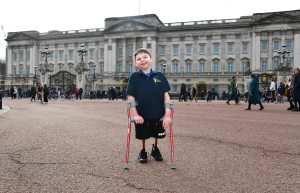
point(188, 67)
point(71, 54)
point(230, 67)
point(120, 51)
point(264, 46)
point(216, 66)
point(21, 55)
point(91, 53)
point(276, 45)
point(188, 49)
point(288, 44)
point(202, 48)
point(230, 47)
point(101, 53)
point(119, 67)
point(216, 48)
point(201, 67)
point(175, 67)
point(162, 50)
point(245, 47)
point(264, 64)
point(61, 55)
point(175, 50)
point(27, 55)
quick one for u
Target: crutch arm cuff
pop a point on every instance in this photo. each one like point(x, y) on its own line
point(131, 104)
point(169, 105)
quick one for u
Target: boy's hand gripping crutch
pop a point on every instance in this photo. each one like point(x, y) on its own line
point(129, 106)
point(171, 107)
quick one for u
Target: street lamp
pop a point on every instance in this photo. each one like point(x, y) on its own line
point(283, 66)
point(164, 68)
point(81, 67)
point(35, 67)
point(82, 52)
point(44, 68)
point(94, 76)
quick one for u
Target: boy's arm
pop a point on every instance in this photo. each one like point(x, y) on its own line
point(135, 115)
point(167, 119)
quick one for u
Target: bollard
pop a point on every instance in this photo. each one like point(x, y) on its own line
point(0, 100)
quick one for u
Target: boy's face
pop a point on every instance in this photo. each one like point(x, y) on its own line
point(143, 61)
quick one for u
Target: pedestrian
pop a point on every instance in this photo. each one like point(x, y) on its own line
point(194, 94)
point(40, 93)
point(80, 93)
point(33, 92)
point(182, 95)
point(149, 90)
point(77, 93)
point(296, 90)
point(289, 91)
point(254, 97)
point(11, 92)
point(45, 93)
point(273, 91)
point(233, 91)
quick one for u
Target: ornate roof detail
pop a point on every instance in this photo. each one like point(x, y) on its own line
point(15, 36)
point(276, 17)
point(130, 25)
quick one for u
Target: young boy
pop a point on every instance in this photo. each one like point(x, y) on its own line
point(148, 89)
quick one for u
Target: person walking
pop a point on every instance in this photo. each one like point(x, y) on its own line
point(273, 91)
point(254, 97)
point(45, 93)
point(182, 95)
point(33, 92)
point(289, 91)
point(233, 91)
point(80, 93)
point(194, 94)
point(296, 90)
point(149, 90)
point(40, 93)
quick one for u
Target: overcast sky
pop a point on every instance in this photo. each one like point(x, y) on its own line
point(42, 15)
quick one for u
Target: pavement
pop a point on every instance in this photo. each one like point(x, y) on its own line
point(4, 109)
point(79, 146)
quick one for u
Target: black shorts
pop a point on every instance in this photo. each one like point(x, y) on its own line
point(150, 128)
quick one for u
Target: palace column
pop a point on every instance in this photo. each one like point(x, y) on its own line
point(296, 51)
point(255, 65)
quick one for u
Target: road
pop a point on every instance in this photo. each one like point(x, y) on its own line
point(79, 146)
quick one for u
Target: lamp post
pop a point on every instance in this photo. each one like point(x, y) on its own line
point(94, 77)
point(283, 67)
point(82, 52)
point(81, 67)
point(94, 67)
point(44, 68)
point(34, 79)
point(164, 68)
point(35, 67)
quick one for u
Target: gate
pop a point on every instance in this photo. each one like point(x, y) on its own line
point(63, 80)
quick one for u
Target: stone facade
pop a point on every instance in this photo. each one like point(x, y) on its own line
point(200, 53)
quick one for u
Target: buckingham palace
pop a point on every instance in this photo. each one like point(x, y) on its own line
point(203, 53)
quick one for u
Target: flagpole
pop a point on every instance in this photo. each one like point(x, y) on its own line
point(139, 7)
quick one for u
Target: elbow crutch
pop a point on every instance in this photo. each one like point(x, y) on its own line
point(129, 106)
point(171, 107)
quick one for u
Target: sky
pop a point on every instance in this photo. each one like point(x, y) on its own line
point(62, 15)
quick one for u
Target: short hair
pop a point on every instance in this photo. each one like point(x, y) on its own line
point(141, 50)
point(233, 77)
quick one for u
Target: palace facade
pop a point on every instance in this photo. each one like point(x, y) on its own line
point(198, 53)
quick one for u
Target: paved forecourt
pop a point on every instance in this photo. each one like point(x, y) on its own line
point(79, 146)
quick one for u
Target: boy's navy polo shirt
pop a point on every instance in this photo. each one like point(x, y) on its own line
point(149, 93)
